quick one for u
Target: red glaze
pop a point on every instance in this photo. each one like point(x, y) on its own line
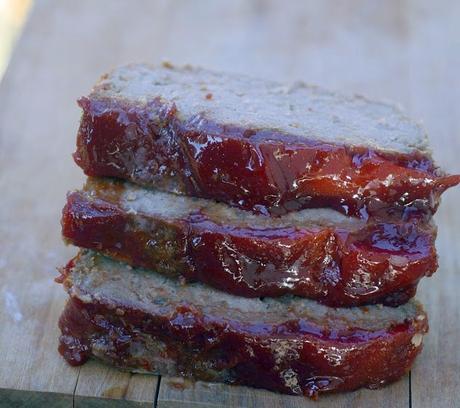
point(381, 262)
point(322, 359)
point(254, 169)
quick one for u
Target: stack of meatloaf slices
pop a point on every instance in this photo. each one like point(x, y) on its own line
point(238, 230)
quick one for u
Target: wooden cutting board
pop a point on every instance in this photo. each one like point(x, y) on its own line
point(408, 51)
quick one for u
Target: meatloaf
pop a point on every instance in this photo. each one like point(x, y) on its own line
point(314, 253)
point(142, 321)
point(256, 144)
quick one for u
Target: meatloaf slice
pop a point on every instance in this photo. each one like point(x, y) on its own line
point(255, 144)
point(314, 253)
point(143, 321)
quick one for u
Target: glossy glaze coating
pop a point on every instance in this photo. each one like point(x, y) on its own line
point(175, 336)
point(339, 264)
point(262, 170)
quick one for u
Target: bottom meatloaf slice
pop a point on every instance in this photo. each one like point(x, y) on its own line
point(142, 321)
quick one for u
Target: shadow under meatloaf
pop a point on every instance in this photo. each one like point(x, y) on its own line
point(142, 321)
point(315, 253)
point(255, 144)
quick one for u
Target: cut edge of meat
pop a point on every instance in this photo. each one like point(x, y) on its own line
point(301, 349)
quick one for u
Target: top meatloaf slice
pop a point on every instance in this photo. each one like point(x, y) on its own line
point(139, 320)
point(255, 144)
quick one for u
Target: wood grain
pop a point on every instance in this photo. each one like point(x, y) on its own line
point(435, 90)
point(175, 393)
point(101, 386)
point(405, 50)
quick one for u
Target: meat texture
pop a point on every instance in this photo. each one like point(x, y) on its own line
point(255, 144)
point(142, 321)
point(315, 253)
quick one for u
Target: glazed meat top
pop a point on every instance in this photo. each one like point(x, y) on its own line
point(299, 109)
